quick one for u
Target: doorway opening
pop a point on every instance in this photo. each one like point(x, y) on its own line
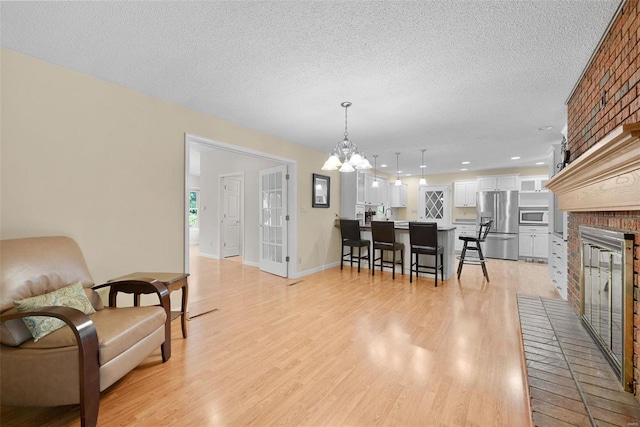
point(212, 163)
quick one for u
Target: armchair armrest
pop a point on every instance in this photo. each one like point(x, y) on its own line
point(89, 367)
point(144, 286)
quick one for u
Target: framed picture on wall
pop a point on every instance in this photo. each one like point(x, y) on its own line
point(321, 191)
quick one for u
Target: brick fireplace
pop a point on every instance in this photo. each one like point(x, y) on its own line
point(605, 100)
point(601, 190)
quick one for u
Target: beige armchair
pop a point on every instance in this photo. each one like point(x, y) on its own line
point(75, 363)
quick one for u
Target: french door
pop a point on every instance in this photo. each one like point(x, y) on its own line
point(273, 221)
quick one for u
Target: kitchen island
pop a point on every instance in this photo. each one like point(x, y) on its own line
point(446, 238)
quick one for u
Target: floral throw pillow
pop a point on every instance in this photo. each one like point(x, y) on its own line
point(70, 296)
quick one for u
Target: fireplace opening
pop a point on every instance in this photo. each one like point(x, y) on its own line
point(607, 295)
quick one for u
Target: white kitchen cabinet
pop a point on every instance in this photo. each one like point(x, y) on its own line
point(356, 190)
point(377, 196)
point(464, 193)
point(533, 184)
point(398, 196)
point(360, 187)
point(463, 230)
point(382, 193)
point(370, 193)
point(558, 264)
point(534, 242)
point(497, 182)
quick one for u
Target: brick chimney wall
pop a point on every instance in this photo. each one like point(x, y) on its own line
point(607, 96)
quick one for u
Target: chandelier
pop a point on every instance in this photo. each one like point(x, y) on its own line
point(345, 156)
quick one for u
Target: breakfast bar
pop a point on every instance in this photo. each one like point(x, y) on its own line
point(446, 238)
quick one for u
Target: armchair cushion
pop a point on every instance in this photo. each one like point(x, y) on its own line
point(72, 296)
point(14, 332)
point(118, 329)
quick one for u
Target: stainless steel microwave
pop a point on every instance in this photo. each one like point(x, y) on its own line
point(534, 216)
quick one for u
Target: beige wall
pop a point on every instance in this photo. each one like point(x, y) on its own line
point(105, 165)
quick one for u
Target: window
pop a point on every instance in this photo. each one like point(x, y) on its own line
point(194, 205)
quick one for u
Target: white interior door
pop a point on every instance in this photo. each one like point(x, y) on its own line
point(434, 204)
point(231, 193)
point(273, 220)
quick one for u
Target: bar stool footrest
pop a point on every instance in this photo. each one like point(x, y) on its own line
point(472, 261)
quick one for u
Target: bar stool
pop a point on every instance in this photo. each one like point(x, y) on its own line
point(423, 238)
point(482, 235)
point(350, 230)
point(384, 239)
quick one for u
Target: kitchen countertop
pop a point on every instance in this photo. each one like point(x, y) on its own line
point(464, 221)
point(404, 225)
point(400, 225)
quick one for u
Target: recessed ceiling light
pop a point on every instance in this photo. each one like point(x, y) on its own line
point(408, 174)
point(540, 163)
point(545, 128)
point(399, 172)
point(515, 158)
point(463, 169)
point(465, 162)
point(423, 166)
point(383, 166)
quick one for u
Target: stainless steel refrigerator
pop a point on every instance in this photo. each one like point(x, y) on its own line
point(502, 208)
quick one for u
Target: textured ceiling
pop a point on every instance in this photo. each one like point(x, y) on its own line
point(467, 80)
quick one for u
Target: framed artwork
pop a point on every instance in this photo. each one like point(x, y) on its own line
point(321, 191)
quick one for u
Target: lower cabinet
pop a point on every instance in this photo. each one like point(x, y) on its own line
point(534, 242)
point(463, 230)
point(558, 264)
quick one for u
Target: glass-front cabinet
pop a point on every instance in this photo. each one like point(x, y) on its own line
point(533, 184)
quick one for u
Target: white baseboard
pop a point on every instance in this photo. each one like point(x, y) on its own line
point(251, 263)
point(315, 270)
point(211, 256)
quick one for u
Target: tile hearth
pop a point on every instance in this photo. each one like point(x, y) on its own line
point(570, 381)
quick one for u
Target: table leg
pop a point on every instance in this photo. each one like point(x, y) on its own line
point(185, 296)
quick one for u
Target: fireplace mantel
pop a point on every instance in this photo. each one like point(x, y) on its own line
point(604, 178)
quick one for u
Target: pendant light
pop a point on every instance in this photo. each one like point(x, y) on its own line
point(422, 166)
point(398, 182)
point(375, 184)
point(345, 155)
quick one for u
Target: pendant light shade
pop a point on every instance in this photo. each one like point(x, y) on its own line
point(375, 184)
point(398, 182)
point(345, 156)
point(422, 166)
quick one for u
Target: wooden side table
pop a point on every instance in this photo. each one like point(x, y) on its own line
point(173, 282)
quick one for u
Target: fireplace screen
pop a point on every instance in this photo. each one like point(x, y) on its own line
point(607, 295)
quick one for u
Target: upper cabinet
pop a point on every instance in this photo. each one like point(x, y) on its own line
point(356, 189)
point(369, 194)
point(398, 196)
point(497, 182)
point(360, 186)
point(533, 184)
point(464, 193)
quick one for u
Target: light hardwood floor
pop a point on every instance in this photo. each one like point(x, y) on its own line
point(331, 349)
